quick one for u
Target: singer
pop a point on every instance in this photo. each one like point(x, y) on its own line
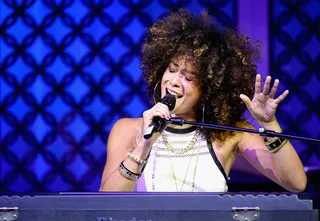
point(211, 73)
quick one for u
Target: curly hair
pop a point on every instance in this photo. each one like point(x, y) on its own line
point(224, 57)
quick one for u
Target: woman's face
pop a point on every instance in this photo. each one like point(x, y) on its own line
point(179, 80)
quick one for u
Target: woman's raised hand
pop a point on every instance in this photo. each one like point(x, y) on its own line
point(264, 104)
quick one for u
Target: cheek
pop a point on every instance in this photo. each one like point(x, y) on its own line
point(191, 89)
point(195, 95)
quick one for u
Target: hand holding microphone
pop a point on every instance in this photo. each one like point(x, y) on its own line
point(158, 123)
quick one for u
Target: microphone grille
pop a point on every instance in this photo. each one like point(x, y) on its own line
point(169, 100)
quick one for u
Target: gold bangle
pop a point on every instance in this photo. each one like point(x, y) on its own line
point(137, 160)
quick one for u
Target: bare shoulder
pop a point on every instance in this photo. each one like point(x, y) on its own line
point(244, 124)
point(127, 124)
point(248, 140)
point(231, 143)
point(121, 139)
point(125, 130)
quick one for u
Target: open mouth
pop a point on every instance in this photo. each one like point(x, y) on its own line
point(177, 96)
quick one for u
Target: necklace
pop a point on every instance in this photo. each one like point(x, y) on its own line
point(185, 175)
point(189, 147)
point(181, 150)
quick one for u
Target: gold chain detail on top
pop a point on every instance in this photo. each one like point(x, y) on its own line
point(175, 180)
point(181, 150)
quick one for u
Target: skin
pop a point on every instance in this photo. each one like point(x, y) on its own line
point(283, 167)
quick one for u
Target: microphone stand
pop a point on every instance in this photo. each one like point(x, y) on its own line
point(261, 131)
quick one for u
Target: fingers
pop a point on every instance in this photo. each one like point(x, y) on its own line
point(266, 89)
point(163, 110)
point(258, 84)
point(274, 88)
point(266, 86)
point(281, 97)
point(246, 100)
point(160, 110)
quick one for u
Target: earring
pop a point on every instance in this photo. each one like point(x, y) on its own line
point(155, 100)
point(203, 111)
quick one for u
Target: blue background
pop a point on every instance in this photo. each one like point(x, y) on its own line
point(69, 69)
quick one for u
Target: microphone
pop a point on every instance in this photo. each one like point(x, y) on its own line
point(158, 123)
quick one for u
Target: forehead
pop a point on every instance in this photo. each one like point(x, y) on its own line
point(187, 62)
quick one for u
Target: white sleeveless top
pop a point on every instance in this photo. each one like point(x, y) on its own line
point(175, 165)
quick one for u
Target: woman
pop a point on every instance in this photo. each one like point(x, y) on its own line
point(210, 71)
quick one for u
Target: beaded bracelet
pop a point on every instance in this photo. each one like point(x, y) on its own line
point(126, 173)
point(276, 144)
point(137, 160)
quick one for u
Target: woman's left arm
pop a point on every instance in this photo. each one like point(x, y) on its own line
point(283, 166)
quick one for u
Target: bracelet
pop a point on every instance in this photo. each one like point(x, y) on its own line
point(126, 173)
point(276, 144)
point(137, 160)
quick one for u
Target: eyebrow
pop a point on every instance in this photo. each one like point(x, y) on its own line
point(174, 63)
point(188, 71)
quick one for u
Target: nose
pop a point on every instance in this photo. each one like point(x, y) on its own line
point(175, 80)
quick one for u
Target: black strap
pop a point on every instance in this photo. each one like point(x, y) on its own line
point(213, 154)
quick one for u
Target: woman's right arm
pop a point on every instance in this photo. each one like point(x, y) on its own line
point(122, 138)
point(127, 134)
